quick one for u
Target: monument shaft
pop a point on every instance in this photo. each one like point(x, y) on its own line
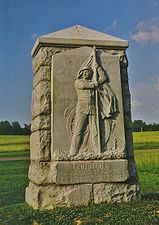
point(81, 141)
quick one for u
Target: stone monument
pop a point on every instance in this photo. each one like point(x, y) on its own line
point(81, 141)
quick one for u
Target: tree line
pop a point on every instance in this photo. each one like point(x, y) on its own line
point(14, 128)
point(139, 125)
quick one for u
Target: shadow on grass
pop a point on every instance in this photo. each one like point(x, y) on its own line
point(151, 196)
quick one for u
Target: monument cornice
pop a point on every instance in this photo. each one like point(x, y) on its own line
point(78, 36)
point(42, 42)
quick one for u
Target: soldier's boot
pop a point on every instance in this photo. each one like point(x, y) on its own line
point(73, 152)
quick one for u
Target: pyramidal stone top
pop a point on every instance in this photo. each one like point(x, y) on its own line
point(79, 36)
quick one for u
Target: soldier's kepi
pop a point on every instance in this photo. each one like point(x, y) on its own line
point(95, 102)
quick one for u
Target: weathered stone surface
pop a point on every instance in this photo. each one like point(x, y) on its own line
point(128, 122)
point(42, 172)
point(127, 117)
point(40, 145)
point(129, 144)
point(31, 195)
point(61, 156)
point(91, 171)
point(115, 193)
point(44, 73)
point(64, 102)
point(50, 197)
point(41, 122)
point(79, 35)
point(41, 99)
point(43, 58)
point(64, 96)
point(132, 169)
point(76, 172)
point(58, 178)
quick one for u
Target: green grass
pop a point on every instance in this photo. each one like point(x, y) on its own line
point(13, 177)
point(14, 139)
point(18, 145)
point(14, 210)
point(122, 214)
point(148, 170)
point(25, 153)
point(14, 145)
point(146, 140)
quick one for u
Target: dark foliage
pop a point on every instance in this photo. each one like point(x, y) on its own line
point(139, 125)
point(14, 128)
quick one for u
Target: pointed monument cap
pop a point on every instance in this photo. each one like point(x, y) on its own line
point(79, 36)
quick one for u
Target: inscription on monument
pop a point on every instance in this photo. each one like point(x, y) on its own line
point(91, 171)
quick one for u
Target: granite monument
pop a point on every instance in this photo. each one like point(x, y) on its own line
point(81, 141)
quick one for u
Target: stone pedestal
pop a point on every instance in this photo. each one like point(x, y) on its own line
point(105, 173)
point(75, 183)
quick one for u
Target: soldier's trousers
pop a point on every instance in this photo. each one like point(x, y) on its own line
point(83, 124)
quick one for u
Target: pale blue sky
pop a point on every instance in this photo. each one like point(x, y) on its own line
point(21, 22)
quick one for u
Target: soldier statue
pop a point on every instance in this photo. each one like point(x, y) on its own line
point(95, 102)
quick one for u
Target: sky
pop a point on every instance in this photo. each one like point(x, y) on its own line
point(22, 22)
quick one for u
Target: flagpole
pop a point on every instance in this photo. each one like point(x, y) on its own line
point(96, 97)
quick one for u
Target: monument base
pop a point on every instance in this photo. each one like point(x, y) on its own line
point(49, 197)
point(79, 183)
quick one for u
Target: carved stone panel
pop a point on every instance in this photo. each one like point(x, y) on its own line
point(93, 110)
point(78, 172)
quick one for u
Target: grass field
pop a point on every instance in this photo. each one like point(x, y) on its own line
point(146, 140)
point(14, 210)
point(18, 145)
point(147, 162)
point(14, 145)
point(146, 146)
